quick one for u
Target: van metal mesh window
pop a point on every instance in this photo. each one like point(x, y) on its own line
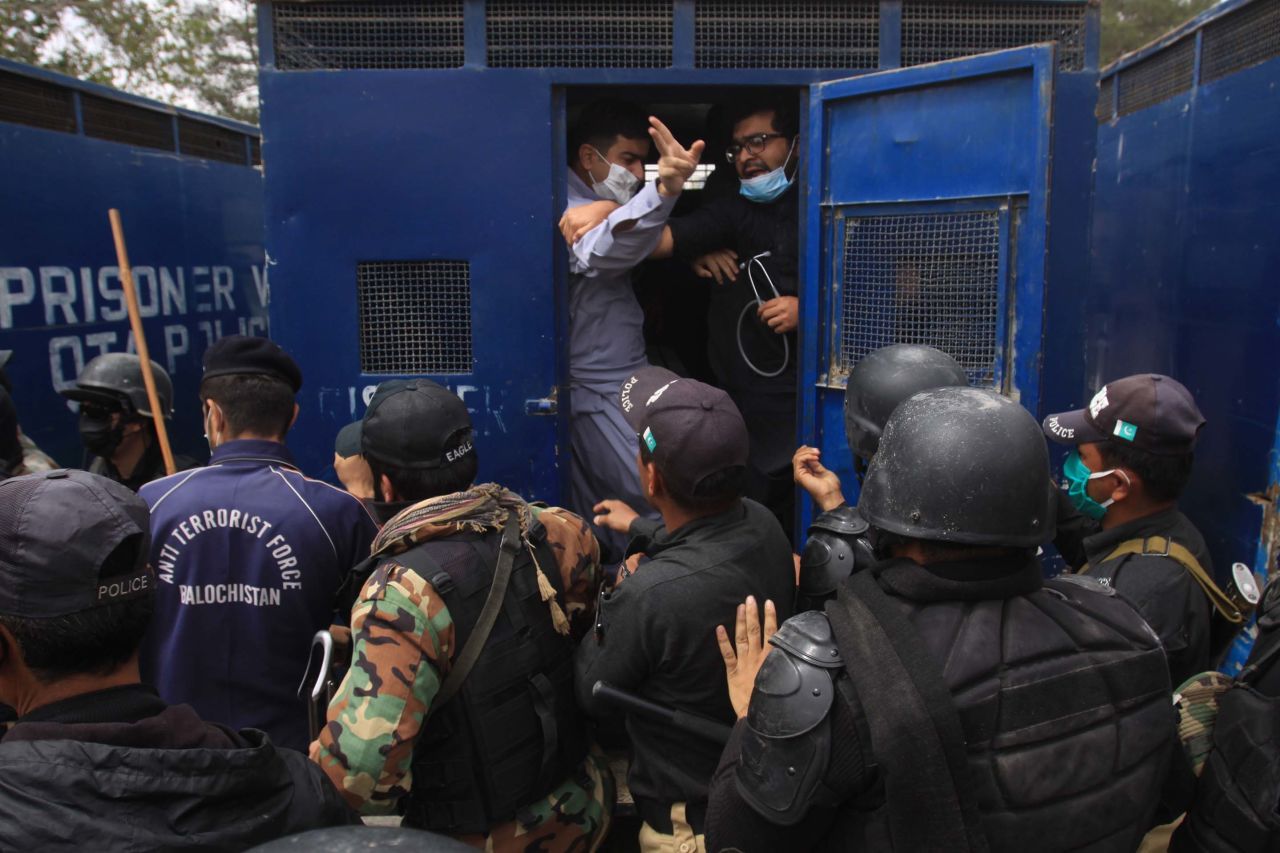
point(121, 122)
point(579, 33)
point(368, 35)
point(200, 139)
point(36, 103)
point(937, 30)
point(255, 151)
point(922, 279)
point(1106, 99)
point(1240, 39)
point(1157, 78)
point(415, 317)
point(781, 34)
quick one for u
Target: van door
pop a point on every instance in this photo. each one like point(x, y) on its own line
point(926, 223)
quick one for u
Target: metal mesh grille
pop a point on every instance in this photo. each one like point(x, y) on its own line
point(255, 151)
point(579, 33)
point(1157, 78)
point(780, 34)
point(937, 30)
point(1242, 38)
point(198, 139)
point(36, 103)
point(1106, 99)
point(368, 35)
point(415, 317)
point(121, 122)
point(922, 279)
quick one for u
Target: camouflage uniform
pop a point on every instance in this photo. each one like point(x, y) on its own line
point(398, 624)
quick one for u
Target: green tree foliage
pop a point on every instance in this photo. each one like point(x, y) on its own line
point(199, 54)
point(1129, 24)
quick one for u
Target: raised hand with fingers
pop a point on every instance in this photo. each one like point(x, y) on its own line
point(745, 655)
point(722, 265)
point(675, 162)
point(820, 482)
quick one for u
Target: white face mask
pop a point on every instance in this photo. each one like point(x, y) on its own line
point(619, 185)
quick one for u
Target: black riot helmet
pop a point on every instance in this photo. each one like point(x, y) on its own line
point(882, 380)
point(115, 379)
point(961, 465)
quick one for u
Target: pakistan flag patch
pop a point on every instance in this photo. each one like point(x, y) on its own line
point(1125, 430)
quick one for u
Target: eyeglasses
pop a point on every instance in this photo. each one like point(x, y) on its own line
point(753, 144)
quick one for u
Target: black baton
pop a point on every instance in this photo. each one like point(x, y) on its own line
point(695, 724)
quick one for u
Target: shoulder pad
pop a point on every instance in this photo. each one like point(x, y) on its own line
point(792, 694)
point(787, 743)
point(808, 636)
point(844, 520)
point(1079, 582)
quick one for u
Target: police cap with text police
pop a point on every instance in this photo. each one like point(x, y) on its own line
point(1152, 412)
point(416, 423)
point(241, 354)
point(692, 429)
point(56, 531)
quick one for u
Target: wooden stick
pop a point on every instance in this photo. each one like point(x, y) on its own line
point(140, 339)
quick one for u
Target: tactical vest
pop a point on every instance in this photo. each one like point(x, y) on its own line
point(513, 732)
point(1063, 699)
point(1237, 805)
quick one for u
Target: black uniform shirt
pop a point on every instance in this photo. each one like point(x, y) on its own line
point(659, 637)
point(749, 228)
point(1159, 587)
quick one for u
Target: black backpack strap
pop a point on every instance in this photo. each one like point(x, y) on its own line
point(466, 659)
point(916, 734)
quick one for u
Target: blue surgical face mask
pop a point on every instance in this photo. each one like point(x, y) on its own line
point(1078, 475)
point(619, 185)
point(767, 187)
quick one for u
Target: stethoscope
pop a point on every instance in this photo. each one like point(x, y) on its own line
point(748, 265)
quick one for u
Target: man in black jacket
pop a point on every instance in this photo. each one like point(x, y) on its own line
point(95, 756)
point(683, 577)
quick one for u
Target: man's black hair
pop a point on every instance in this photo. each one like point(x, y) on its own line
point(1164, 477)
point(784, 106)
point(601, 123)
point(419, 484)
point(251, 402)
point(97, 641)
point(713, 492)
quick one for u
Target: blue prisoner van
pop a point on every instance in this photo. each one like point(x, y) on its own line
point(415, 162)
point(189, 190)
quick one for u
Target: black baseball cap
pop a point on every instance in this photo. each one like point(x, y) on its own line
point(416, 423)
point(241, 354)
point(56, 530)
point(1153, 412)
point(347, 444)
point(693, 430)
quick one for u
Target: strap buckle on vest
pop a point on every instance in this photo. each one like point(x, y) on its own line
point(1157, 546)
point(442, 582)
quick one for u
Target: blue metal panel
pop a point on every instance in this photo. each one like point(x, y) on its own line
point(1183, 279)
point(967, 135)
point(463, 187)
point(194, 232)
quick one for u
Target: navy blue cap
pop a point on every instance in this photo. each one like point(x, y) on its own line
point(241, 354)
